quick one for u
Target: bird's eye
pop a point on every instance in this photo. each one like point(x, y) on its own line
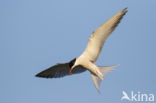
point(70, 65)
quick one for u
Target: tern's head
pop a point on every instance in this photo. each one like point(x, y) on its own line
point(72, 63)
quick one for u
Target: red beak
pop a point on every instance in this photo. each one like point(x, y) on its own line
point(70, 71)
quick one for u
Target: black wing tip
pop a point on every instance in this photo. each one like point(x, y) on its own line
point(37, 75)
point(40, 75)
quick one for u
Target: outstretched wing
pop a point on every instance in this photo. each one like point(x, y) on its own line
point(60, 70)
point(98, 37)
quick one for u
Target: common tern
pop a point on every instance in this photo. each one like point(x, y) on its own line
point(86, 61)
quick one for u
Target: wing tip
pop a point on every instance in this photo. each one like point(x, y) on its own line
point(41, 75)
point(38, 75)
point(124, 11)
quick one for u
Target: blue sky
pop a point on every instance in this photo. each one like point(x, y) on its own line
point(36, 34)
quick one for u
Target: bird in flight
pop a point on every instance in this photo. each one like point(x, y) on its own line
point(86, 61)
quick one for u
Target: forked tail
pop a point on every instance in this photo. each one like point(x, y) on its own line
point(104, 70)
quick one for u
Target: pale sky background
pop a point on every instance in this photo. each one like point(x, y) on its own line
point(36, 34)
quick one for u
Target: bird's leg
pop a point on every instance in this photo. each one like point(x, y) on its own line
point(96, 73)
point(93, 68)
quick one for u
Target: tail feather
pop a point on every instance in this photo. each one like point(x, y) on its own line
point(104, 70)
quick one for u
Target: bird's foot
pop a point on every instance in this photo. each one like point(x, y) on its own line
point(99, 74)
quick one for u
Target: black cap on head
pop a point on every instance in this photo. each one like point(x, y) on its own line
point(72, 62)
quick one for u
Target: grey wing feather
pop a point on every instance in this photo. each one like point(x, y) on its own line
point(59, 70)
